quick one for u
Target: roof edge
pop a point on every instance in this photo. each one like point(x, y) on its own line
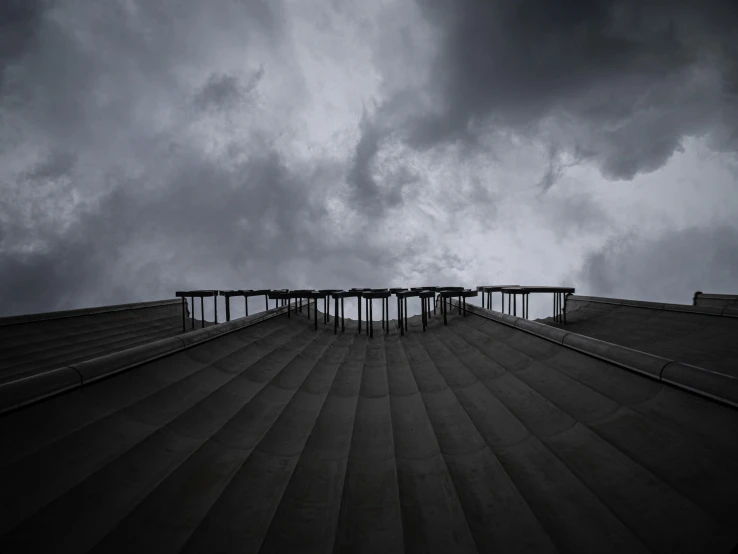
point(704, 382)
point(687, 308)
point(28, 390)
point(44, 316)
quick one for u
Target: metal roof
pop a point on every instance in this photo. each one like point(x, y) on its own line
point(271, 437)
point(706, 337)
point(30, 345)
point(715, 300)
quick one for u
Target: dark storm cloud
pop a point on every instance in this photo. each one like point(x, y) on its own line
point(245, 227)
point(668, 268)
point(151, 146)
point(371, 195)
point(56, 164)
point(619, 83)
point(227, 91)
point(365, 189)
point(138, 182)
point(19, 22)
point(572, 215)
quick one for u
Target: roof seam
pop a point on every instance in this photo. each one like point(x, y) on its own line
point(485, 442)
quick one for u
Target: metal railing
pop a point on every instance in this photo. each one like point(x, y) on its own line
point(293, 299)
point(513, 291)
point(201, 294)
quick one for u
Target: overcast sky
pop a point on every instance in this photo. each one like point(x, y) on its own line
point(148, 146)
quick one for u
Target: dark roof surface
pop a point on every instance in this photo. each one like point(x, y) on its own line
point(715, 300)
point(471, 437)
point(680, 333)
point(30, 345)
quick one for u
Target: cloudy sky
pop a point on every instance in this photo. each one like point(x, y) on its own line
point(148, 146)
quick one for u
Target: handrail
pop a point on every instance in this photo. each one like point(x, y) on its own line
point(366, 294)
point(559, 298)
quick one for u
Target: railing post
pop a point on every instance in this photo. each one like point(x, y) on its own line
point(184, 310)
point(564, 308)
point(192, 301)
point(400, 315)
point(371, 317)
point(215, 306)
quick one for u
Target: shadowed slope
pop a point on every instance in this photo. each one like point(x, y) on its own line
point(707, 341)
point(471, 437)
point(57, 339)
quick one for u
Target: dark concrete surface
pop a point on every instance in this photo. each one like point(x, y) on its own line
point(679, 333)
point(49, 341)
point(471, 437)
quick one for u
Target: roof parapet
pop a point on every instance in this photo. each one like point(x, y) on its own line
point(713, 300)
point(45, 316)
point(731, 311)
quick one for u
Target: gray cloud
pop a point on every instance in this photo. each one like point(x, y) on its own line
point(227, 91)
point(555, 169)
point(372, 195)
point(146, 147)
point(249, 226)
point(572, 215)
point(146, 182)
point(617, 83)
point(58, 164)
point(19, 23)
point(667, 268)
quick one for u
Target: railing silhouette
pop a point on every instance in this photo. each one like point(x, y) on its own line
point(559, 298)
point(438, 296)
point(201, 294)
